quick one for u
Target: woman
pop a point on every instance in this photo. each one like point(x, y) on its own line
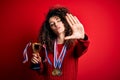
point(64, 41)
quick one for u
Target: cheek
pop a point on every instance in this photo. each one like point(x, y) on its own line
point(63, 27)
point(53, 29)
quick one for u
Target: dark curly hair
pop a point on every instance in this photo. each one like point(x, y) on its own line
point(47, 36)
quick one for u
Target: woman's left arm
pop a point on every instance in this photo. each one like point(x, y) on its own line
point(78, 34)
point(81, 46)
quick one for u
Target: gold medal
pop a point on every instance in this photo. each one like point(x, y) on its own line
point(56, 72)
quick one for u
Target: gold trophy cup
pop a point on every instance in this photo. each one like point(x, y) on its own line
point(36, 48)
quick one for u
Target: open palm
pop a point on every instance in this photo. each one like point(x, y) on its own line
point(76, 26)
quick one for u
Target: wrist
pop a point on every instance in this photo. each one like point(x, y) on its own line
point(85, 37)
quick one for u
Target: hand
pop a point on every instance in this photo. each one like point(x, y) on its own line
point(36, 58)
point(76, 26)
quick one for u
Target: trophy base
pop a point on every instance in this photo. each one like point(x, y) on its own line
point(35, 66)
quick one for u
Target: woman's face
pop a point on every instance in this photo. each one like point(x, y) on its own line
point(56, 25)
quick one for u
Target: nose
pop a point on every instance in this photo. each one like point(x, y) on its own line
point(56, 24)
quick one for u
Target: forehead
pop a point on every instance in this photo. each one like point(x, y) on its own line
point(54, 18)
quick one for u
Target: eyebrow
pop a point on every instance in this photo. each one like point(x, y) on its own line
point(57, 18)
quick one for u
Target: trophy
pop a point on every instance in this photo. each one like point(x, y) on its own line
point(36, 48)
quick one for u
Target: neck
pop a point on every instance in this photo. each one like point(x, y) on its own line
point(60, 39)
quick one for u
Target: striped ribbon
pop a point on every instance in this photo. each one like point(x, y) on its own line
point(25, 54)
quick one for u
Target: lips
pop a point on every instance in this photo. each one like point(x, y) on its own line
point(57, 28)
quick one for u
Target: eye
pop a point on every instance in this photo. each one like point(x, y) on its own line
point(52, 24)
point(58, 20)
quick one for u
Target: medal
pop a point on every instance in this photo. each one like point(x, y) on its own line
point(56, 72)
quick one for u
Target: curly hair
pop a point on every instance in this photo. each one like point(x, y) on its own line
point(47, 36)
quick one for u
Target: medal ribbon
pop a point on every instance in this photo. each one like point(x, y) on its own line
point(57, 62)
point(46, 53)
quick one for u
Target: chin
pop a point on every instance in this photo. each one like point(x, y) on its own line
point(60, 32)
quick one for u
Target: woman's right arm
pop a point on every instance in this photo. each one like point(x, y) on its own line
point(36, 59)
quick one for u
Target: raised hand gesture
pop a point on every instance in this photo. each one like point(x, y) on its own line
point(76, 26)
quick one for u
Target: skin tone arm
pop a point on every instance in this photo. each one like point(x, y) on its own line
point(76, 26)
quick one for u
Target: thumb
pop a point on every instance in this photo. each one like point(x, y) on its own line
point(68, 37)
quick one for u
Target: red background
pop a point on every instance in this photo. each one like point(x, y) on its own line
point(20, 21)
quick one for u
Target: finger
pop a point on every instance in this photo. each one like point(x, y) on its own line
point(68, 20)
point(35, 60)
point(39, 59)
point(76, 19)
point(73, 19)
point(35, 54)
point(79, 22)
point(38, 56)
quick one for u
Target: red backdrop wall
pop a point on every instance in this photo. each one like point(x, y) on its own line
point(20, 21)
